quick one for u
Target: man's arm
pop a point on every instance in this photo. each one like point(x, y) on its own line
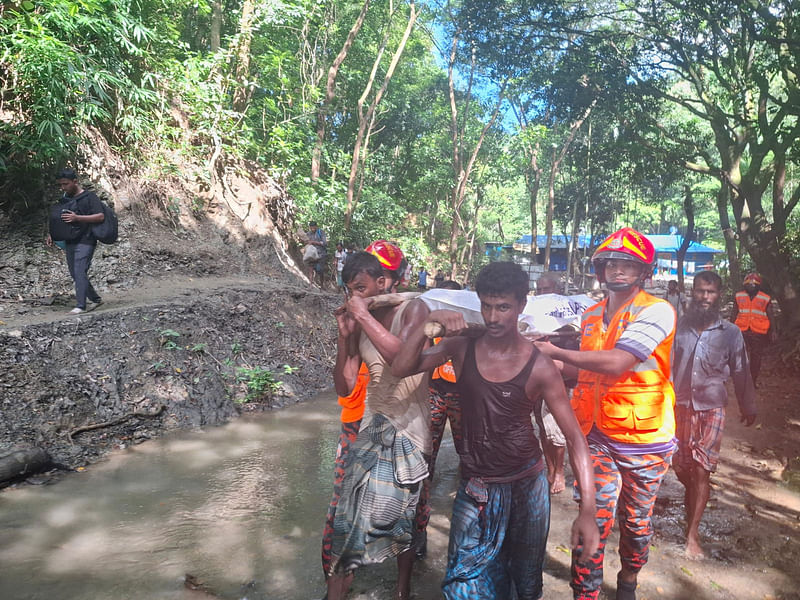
point(415, 358)
point(739, 367)
point(608, 362)
point(348, 358)
point(637, 342)
point(91, 205)
point(545, 380)
point(319, 239)
point(386, 342)
point(70, 217)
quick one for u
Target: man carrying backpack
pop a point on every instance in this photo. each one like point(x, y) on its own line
point(81, 209)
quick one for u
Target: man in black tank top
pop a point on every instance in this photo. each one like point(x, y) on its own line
point(501, 514)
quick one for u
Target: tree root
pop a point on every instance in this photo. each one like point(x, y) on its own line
point(113, 422)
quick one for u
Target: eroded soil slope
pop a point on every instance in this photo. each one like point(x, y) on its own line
point(193, 359)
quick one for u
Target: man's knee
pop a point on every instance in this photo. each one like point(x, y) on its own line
point(682, 473)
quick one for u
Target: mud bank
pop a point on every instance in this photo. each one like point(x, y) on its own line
point(79, 386)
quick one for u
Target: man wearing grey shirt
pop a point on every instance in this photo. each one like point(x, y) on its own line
point(707, 352)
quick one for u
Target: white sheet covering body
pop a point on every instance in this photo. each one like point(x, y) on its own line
point(543, 314)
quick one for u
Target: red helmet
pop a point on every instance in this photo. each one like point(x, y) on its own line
point(625, 244)
point(389, 255)
point(753, 278)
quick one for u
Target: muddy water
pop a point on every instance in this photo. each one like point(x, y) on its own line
point(240, 508)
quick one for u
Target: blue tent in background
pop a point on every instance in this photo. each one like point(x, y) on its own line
point(558, 248)
point(698, 256)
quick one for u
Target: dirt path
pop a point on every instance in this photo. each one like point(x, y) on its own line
point(148, 291)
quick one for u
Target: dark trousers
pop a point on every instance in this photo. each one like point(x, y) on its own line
point(756, 344)
point(79, 259)
point(444, 405)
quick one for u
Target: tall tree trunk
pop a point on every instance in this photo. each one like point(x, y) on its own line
point(330, 91)
point(688, 238)
point(467, 251)
point(432, 229)
point(734, 271)
point(241, 95)
point(366, 119)
point(571, 245)
point(555, 166)
point(533, 181)
point(456, 140)
point(463, 171)
point(313, 48)
point(216, 24)
point(761, 239)
point(532, 174)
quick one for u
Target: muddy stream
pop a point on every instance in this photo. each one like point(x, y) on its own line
point(236, 512)
point(239, 508)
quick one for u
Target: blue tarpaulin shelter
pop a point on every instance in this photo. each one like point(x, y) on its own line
point(558, 248)
point(698, 256)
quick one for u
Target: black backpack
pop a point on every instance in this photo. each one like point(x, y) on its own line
point(61, 231)
point(107, 231)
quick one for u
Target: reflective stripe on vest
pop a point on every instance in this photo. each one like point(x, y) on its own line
point(636, 407)
point(752, 312)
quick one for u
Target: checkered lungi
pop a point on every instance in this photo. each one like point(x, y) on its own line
point(699, 434)
point(347, 436)
point(374, 519)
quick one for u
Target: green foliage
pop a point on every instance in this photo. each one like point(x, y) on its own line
point(167, 338)
point(667, 110)
point(67, 64)
point(259, 381)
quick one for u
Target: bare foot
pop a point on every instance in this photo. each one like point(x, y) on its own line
point(694, 551)
point(558, 484)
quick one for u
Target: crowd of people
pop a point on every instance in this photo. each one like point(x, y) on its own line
point(315, 258)
point(649, 392)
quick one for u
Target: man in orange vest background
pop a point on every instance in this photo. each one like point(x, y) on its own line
point(753, 314)
point(624, 403)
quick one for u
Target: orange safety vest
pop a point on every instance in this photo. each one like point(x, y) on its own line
point(637, 406)
point(445, 371)
point(353, 404)
point(752, 312)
